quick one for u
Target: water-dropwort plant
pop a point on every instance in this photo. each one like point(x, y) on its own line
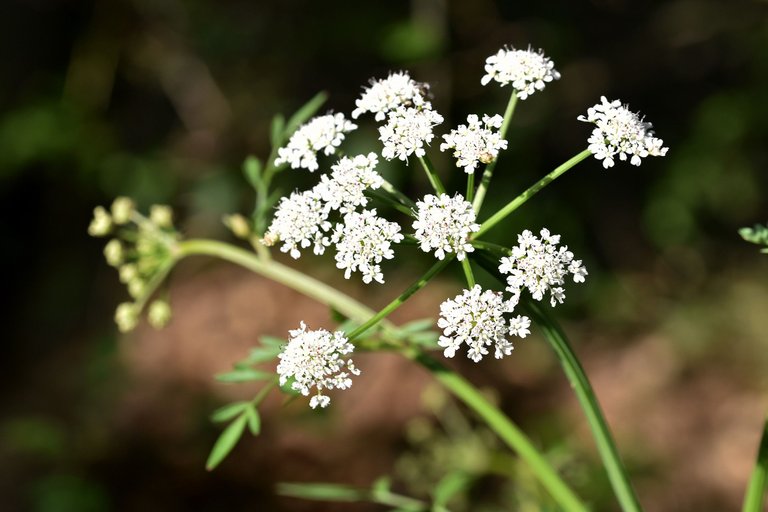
point(356, 214)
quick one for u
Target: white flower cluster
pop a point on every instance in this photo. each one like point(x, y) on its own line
point(526, 70)
point(315, 359)
point(540, 266)
point(619, 131)
point(444, 224)
point(406, 132)
point(322, 133)
point(473, 142)
point(349, 179)
point(476, 318)
point(301, 220)
point(362, 241)
point(397, 90)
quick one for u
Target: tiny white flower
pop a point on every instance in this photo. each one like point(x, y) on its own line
point(387, 94)
point(362, 241)
point(526, 70)
point(316, 359)
point(475, 142)
point(475, 318)
point(619, 131)
point(407, 130)
point(443, 224)
point(349, 179)
point(301, 220)
point(322, 133)
point(540, 266)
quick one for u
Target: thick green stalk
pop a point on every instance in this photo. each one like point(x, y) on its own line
point(488, 173)
point(755, 495)
point(470, 187)
point(463, 390)
point(580, 383)
point(287, 276)
point(525, 196)
point(506, 430)
point(434, 179)
point(389, 308)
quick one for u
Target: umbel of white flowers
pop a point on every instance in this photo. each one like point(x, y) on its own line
point(619, 131)
point(316, 360)
point(475, 318)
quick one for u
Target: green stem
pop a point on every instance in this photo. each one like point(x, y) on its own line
point(434, 179)
point(755, 495)
point(389, 308)
point(280, 273)
point(401, 198)
point(488, 173)
point(525, 196)
point(507, 431)
point(463, 390)
point(580, 383)
point(470, 187)
point(465, 265)
point(391, 201)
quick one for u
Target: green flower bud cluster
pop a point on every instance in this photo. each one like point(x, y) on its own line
point(142, 251)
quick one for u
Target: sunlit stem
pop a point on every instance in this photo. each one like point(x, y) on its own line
point(488, 173)
point(434, 179)
point(606, 446)
point(532, 191)
point(389, 308)
point(468, 272)
point(755, 495)
point(579, 381)
point(506, 430)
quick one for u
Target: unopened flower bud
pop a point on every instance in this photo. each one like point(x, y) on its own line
point(126, 316)
point(122, 208)
point(159, 314)
point(113, 252)
point(161, 215)
point(136, 287)
point(128, 272)
point(238, 225)
point(101, 223)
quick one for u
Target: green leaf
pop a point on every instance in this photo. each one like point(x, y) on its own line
point(254, 420)
point(277, 131)
point(243, 375)
point(322, 492)
point(272, 341)
point(229, 411)
point(338, 317)
point(304, 113)
point(252, 171)
point(381, 487)
point(258, 355)
point(426, 339)
point(449, 486)
point(226, 441)
point(418, 325)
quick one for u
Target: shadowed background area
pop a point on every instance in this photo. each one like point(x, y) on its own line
point(162, 100)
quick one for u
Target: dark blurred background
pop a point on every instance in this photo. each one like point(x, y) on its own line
point(162, 100)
